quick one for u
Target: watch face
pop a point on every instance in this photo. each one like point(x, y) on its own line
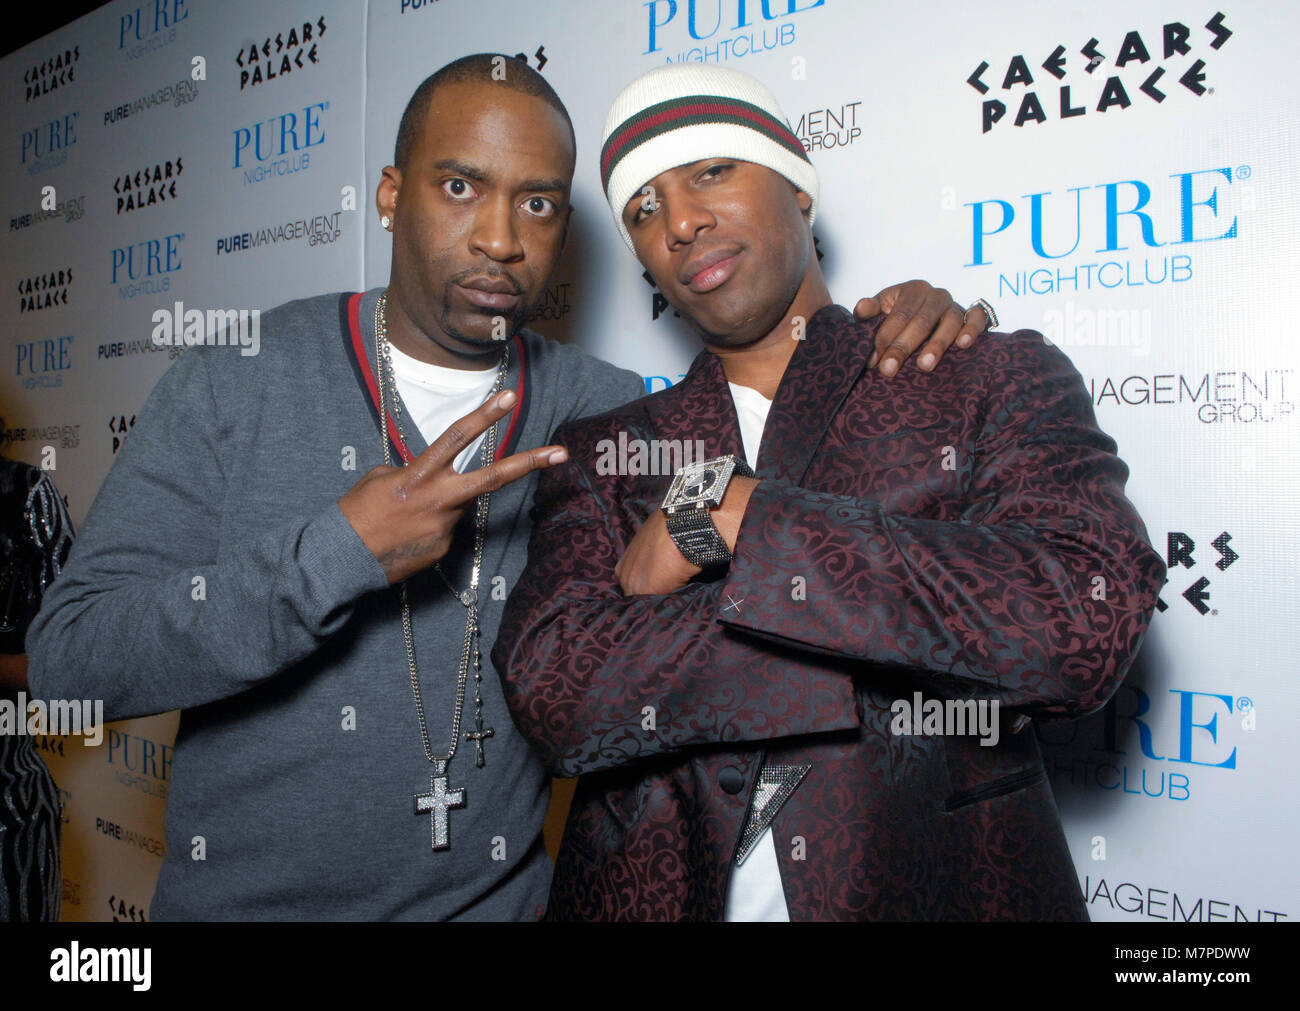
point(699, 484)
point(703, 482)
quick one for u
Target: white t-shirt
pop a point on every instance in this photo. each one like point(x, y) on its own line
point(436, 396)
point(755, 892)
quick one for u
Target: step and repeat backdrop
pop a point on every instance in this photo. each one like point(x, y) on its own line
point(1120, 177)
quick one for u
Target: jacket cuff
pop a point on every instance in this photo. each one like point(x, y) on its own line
point(764, 570)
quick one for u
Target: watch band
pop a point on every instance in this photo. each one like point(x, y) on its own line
point(696, 536)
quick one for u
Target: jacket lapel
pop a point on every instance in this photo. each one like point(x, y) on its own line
point(700, 407)
point(825, 366)
point(827, 363)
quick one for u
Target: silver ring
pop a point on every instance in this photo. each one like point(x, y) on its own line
point(988, 311)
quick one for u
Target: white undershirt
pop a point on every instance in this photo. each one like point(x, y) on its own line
point(755, 892)
point(435, 396)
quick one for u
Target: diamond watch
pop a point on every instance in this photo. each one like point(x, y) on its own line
point(696, 489)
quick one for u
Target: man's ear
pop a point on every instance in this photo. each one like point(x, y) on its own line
point(805, 201)
point(390, 183)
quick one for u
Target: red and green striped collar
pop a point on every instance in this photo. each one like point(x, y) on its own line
point(354, 342)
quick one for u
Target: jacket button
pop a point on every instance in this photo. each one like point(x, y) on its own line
point(731, 779)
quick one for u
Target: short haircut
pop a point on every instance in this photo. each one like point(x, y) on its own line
point(476, 68)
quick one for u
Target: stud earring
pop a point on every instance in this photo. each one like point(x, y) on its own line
point(387, 222)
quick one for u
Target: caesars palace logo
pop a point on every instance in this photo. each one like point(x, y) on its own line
point(1098, 81)
point(51, 74)
point(45, 290)
point(152, 184)
point(280, 55)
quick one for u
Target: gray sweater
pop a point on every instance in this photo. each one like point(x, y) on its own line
point(233, 473)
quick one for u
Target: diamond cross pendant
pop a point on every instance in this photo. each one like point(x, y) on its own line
point(437, 802)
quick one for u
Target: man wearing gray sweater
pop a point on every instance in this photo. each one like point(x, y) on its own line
point(342, 753)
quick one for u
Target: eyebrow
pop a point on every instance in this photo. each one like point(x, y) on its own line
point(556, 185)
point(478, 175)
point(459, 167)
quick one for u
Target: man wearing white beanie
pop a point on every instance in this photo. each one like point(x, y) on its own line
point(794, 675)
point(685, 112)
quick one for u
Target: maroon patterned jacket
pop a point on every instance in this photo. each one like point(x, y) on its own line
point(962, 533)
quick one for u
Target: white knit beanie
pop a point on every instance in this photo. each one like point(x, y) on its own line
point(687, 112)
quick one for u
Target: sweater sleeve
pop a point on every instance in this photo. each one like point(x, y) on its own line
point(155, 610)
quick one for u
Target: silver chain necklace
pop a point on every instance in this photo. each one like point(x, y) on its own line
point(440, 799)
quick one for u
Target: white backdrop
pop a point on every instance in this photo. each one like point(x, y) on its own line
point(1142, 216)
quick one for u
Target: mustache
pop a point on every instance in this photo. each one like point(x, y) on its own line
point(496, 275)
